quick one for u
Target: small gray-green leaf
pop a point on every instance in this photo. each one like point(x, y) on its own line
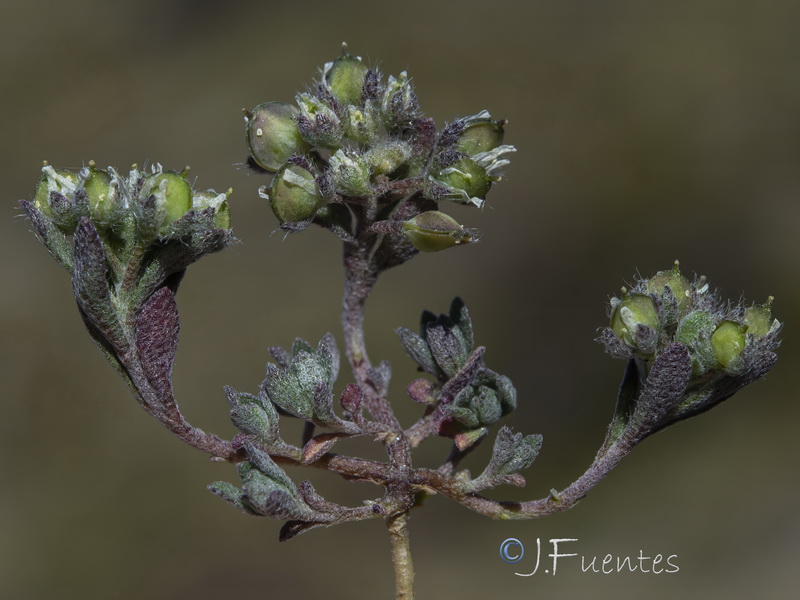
point(460, 316)
point(264, 463)
point(511, 453)
point(418, 350)
point(447, 348)
point(231, 494)
point(253, 416)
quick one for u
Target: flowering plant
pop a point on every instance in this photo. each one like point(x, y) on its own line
point(356, 157)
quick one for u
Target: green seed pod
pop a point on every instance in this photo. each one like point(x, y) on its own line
point(433, 231)
point(173, 194)
point(759, 320)
point(345, 78)
point(481, 135)
point(468, 181)
point(728, 342)
point(293, 195)
point(632, 311)
point(100, 194)
point(272, 135)
point(677, 283)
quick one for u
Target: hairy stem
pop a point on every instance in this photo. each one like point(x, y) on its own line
point(360, 276)
point(554, 503)
point(167, 412)
point(401, 556)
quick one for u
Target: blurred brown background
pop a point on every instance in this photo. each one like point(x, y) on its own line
point(647, 131)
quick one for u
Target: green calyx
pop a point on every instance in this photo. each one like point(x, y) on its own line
point(694, 331)
point(433, 231)
point(633, 311)
point(293, 195)
point(351, 174)
point(388, 157)
point(272, 134)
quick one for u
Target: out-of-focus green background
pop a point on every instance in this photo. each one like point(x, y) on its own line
point(647, 131)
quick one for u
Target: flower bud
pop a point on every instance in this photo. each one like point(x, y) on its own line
point(433, 231)
point(481, 134)
point(345, 77)
point(387, 158)
point(362, 125)
point(351, 174)
point(317, 123)
point(466, 180)
point(629, 314)
point(728, 342)
point(293, 195)
point(399, 104)
point(272, 135)
point(61, 181)
point(677, 283)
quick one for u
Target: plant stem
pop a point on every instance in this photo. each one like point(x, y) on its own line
point(360, 277)
point(401, 556)
point(554, 503)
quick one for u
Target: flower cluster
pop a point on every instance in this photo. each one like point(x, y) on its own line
point(360, 141)
point(680, 334)
point(135, 212)
point(127, 240)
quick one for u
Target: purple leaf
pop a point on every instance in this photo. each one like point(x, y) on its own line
point(90, 279)
point(157, 330)
point(663, 389)
point(91, 287)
